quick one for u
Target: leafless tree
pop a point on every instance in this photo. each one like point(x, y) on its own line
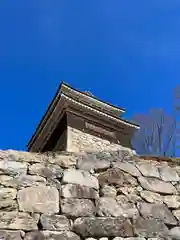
point(156, 136)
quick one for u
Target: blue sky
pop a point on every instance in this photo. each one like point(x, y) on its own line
point(125, 52)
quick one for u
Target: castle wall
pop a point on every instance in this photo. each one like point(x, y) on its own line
point(82, 141)
point(112, 195)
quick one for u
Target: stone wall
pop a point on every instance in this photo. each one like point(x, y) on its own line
point(106, 195)
point(79, 141)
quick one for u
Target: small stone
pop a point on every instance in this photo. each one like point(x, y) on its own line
point(156, 185)
point(77, 207)
point(35, 235)
point(168, 174)
point(81, 177)
point(176, 213)
point(158, 211)
point(62, 235)
point(91, 162)
point(148, 169)
point(47, 171)
point(107, 206)
point(12, 168)
point(103, 227)
point(128, 208)
point(108, 191)
point(116, 177)
point(172, 201)
point(25, 181)
point(151, 197)
point(127, 167)
point(10, 235)
point(78, 191)
point(8, 205)
point(149, 228)
point(38, 199)
point(7, 193)
point(64, 161)
point(17, 220)
point(55, 222)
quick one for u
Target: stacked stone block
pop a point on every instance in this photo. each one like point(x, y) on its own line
point(103, 195)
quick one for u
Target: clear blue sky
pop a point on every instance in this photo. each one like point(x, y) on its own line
point(126, 52)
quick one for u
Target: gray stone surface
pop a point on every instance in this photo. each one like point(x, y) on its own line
point(78, 191)
point(174, 233)
point(77, 207)
point(176, 213)
point(108, 191)
point(7, 193)
point(91, 162)
point(12, 167)
point(103, 227)
point(151, 197)
point(116, 177)
point(172, 201)
point(156, 185)
point(55, 222)
point(149, 228)
point(8, 205)
point(17, 220)
point(10, 235)
point(81, 177)
point(168, 174)
point(25, 181)
point(148, 169)
point(39, 199)
point(46, 170)
point(127, 167)
point(157, 211)
point(51, 235)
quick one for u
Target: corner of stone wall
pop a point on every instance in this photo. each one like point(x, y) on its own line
point(108, 194)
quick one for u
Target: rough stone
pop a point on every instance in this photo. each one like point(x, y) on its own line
point(25, 181)
point(35, 235)
point(172, 201)
point(148, 169)
point(168, 174)
point(151, 197)
point(51, 235)
point(174, 233)
point(48, 170)
point(17, 220)
point(158, 211)
point(91, 162)
point(65, 161)
point(81, 177)
point(8, 205)
point(77, 207)
point(127, 167)
point(10, 235)
point(55, 222)
point(103, 227)
point(149, 228)
point(116, 177)
point(107, 206)
point(156, 185)
point(128, 208)
point(7, 193)
point(108, 191)
point(176, 213)
point(78, 191)
point(12, 168)
point(39, 199)
point(130, 238)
